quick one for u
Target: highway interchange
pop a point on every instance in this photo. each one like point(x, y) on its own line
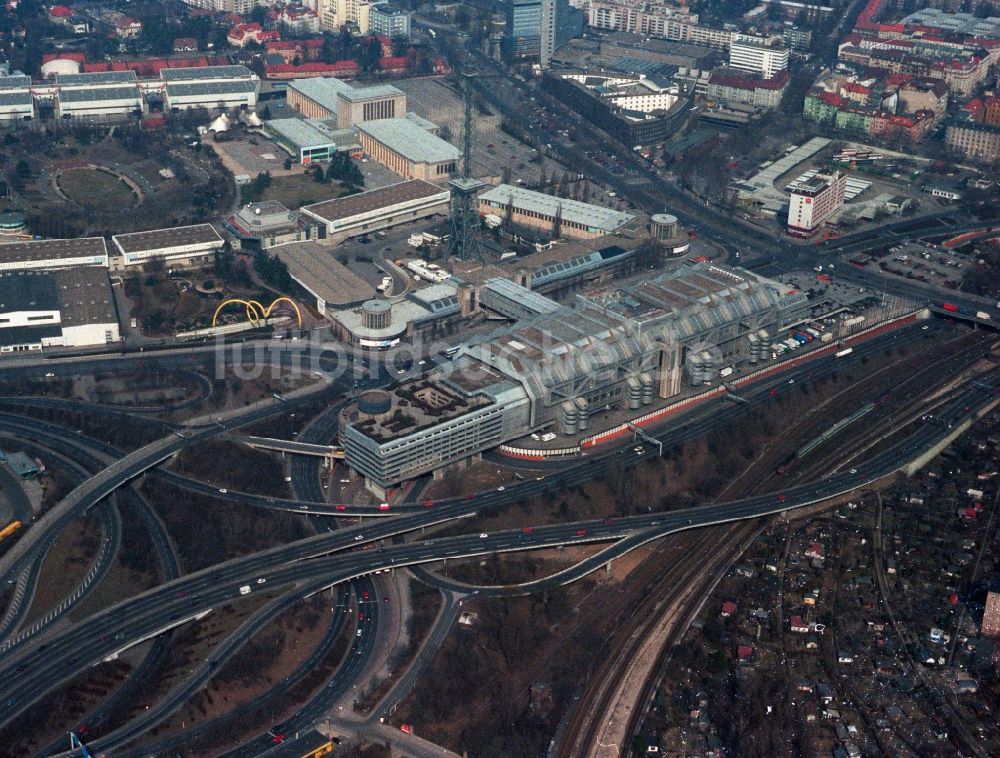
point(81, 645)
point(42, 661)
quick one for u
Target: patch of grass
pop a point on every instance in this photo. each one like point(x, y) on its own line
point(97, 190)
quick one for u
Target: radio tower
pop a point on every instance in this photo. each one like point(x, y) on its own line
point(465, 242)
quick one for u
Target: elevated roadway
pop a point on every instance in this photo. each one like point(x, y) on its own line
point(43, 664)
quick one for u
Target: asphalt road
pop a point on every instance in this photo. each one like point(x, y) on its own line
point(31, 673)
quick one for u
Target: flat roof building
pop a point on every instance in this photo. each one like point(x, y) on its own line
point(328, 97)
point(34, 254)
point(67, 307)
point(386, 21)
point(558, 217)
point(113, 102)
point(616, 346)
point(408, 149)
point(178, 245)
point(814, 201)
point(308, 140)
point(378, 208)
point(210, 87)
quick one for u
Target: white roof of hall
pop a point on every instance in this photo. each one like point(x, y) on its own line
point(594, 216)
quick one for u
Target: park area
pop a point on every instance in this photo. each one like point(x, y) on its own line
point(82, 180)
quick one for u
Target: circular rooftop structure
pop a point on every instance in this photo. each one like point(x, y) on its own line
point(376, 314)
point(374, 402)
point(60, 66)
point(12, 221)
point(663, 226)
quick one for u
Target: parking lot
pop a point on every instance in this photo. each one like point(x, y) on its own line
point(493, 150)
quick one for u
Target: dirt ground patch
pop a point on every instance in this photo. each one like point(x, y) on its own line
point(275, 652)
point(66, 563)
point(295, 190)
point(59, 711)
point(119, 583)
point(99, 190)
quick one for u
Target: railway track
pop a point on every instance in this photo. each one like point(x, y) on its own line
point(665, 604)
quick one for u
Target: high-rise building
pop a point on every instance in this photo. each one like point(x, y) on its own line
point(522, 35)
point(814, 200)
point(758, 55)
point(547, 32)
point(334, 14)
point(393, 23)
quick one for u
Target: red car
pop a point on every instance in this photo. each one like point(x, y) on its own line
point(364, 594)
point(580, 532)
point(781, 498)
point(340, 507)
point(525, 530)
point(383, 506)
point(428, 504)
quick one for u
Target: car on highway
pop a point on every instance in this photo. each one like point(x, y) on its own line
point(261, 580)
point(428, 503)
point(483, 535)
point(383, 506)
point(359, 633)
point(223, 490)
point(525, 530)
point(340, 507)
point(358, 537)
point(501, 488)
point(781, 498)
point(580, 532)
point(365, 595)
point(49, 375)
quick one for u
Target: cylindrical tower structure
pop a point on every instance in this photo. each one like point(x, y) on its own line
point(663, 227)
point(633, 392)
point(567, 414)
point(582, 414)
point(376, 314)
point(647, 388)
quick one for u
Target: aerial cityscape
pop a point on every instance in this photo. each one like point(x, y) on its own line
point(499, 378)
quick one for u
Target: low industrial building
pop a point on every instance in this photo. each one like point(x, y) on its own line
point(16, 103)
point(556, 216)
point(51, 254)
point(309, 140)
point(210, 87)
point(68, 307)
point(409, 149)
point(376, 209)
point(614, 347)
point(260, 226)
point(330, 283)
point(178, 246)
point(108, 95)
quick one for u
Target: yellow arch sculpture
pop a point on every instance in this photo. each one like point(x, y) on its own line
point(256, 312)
